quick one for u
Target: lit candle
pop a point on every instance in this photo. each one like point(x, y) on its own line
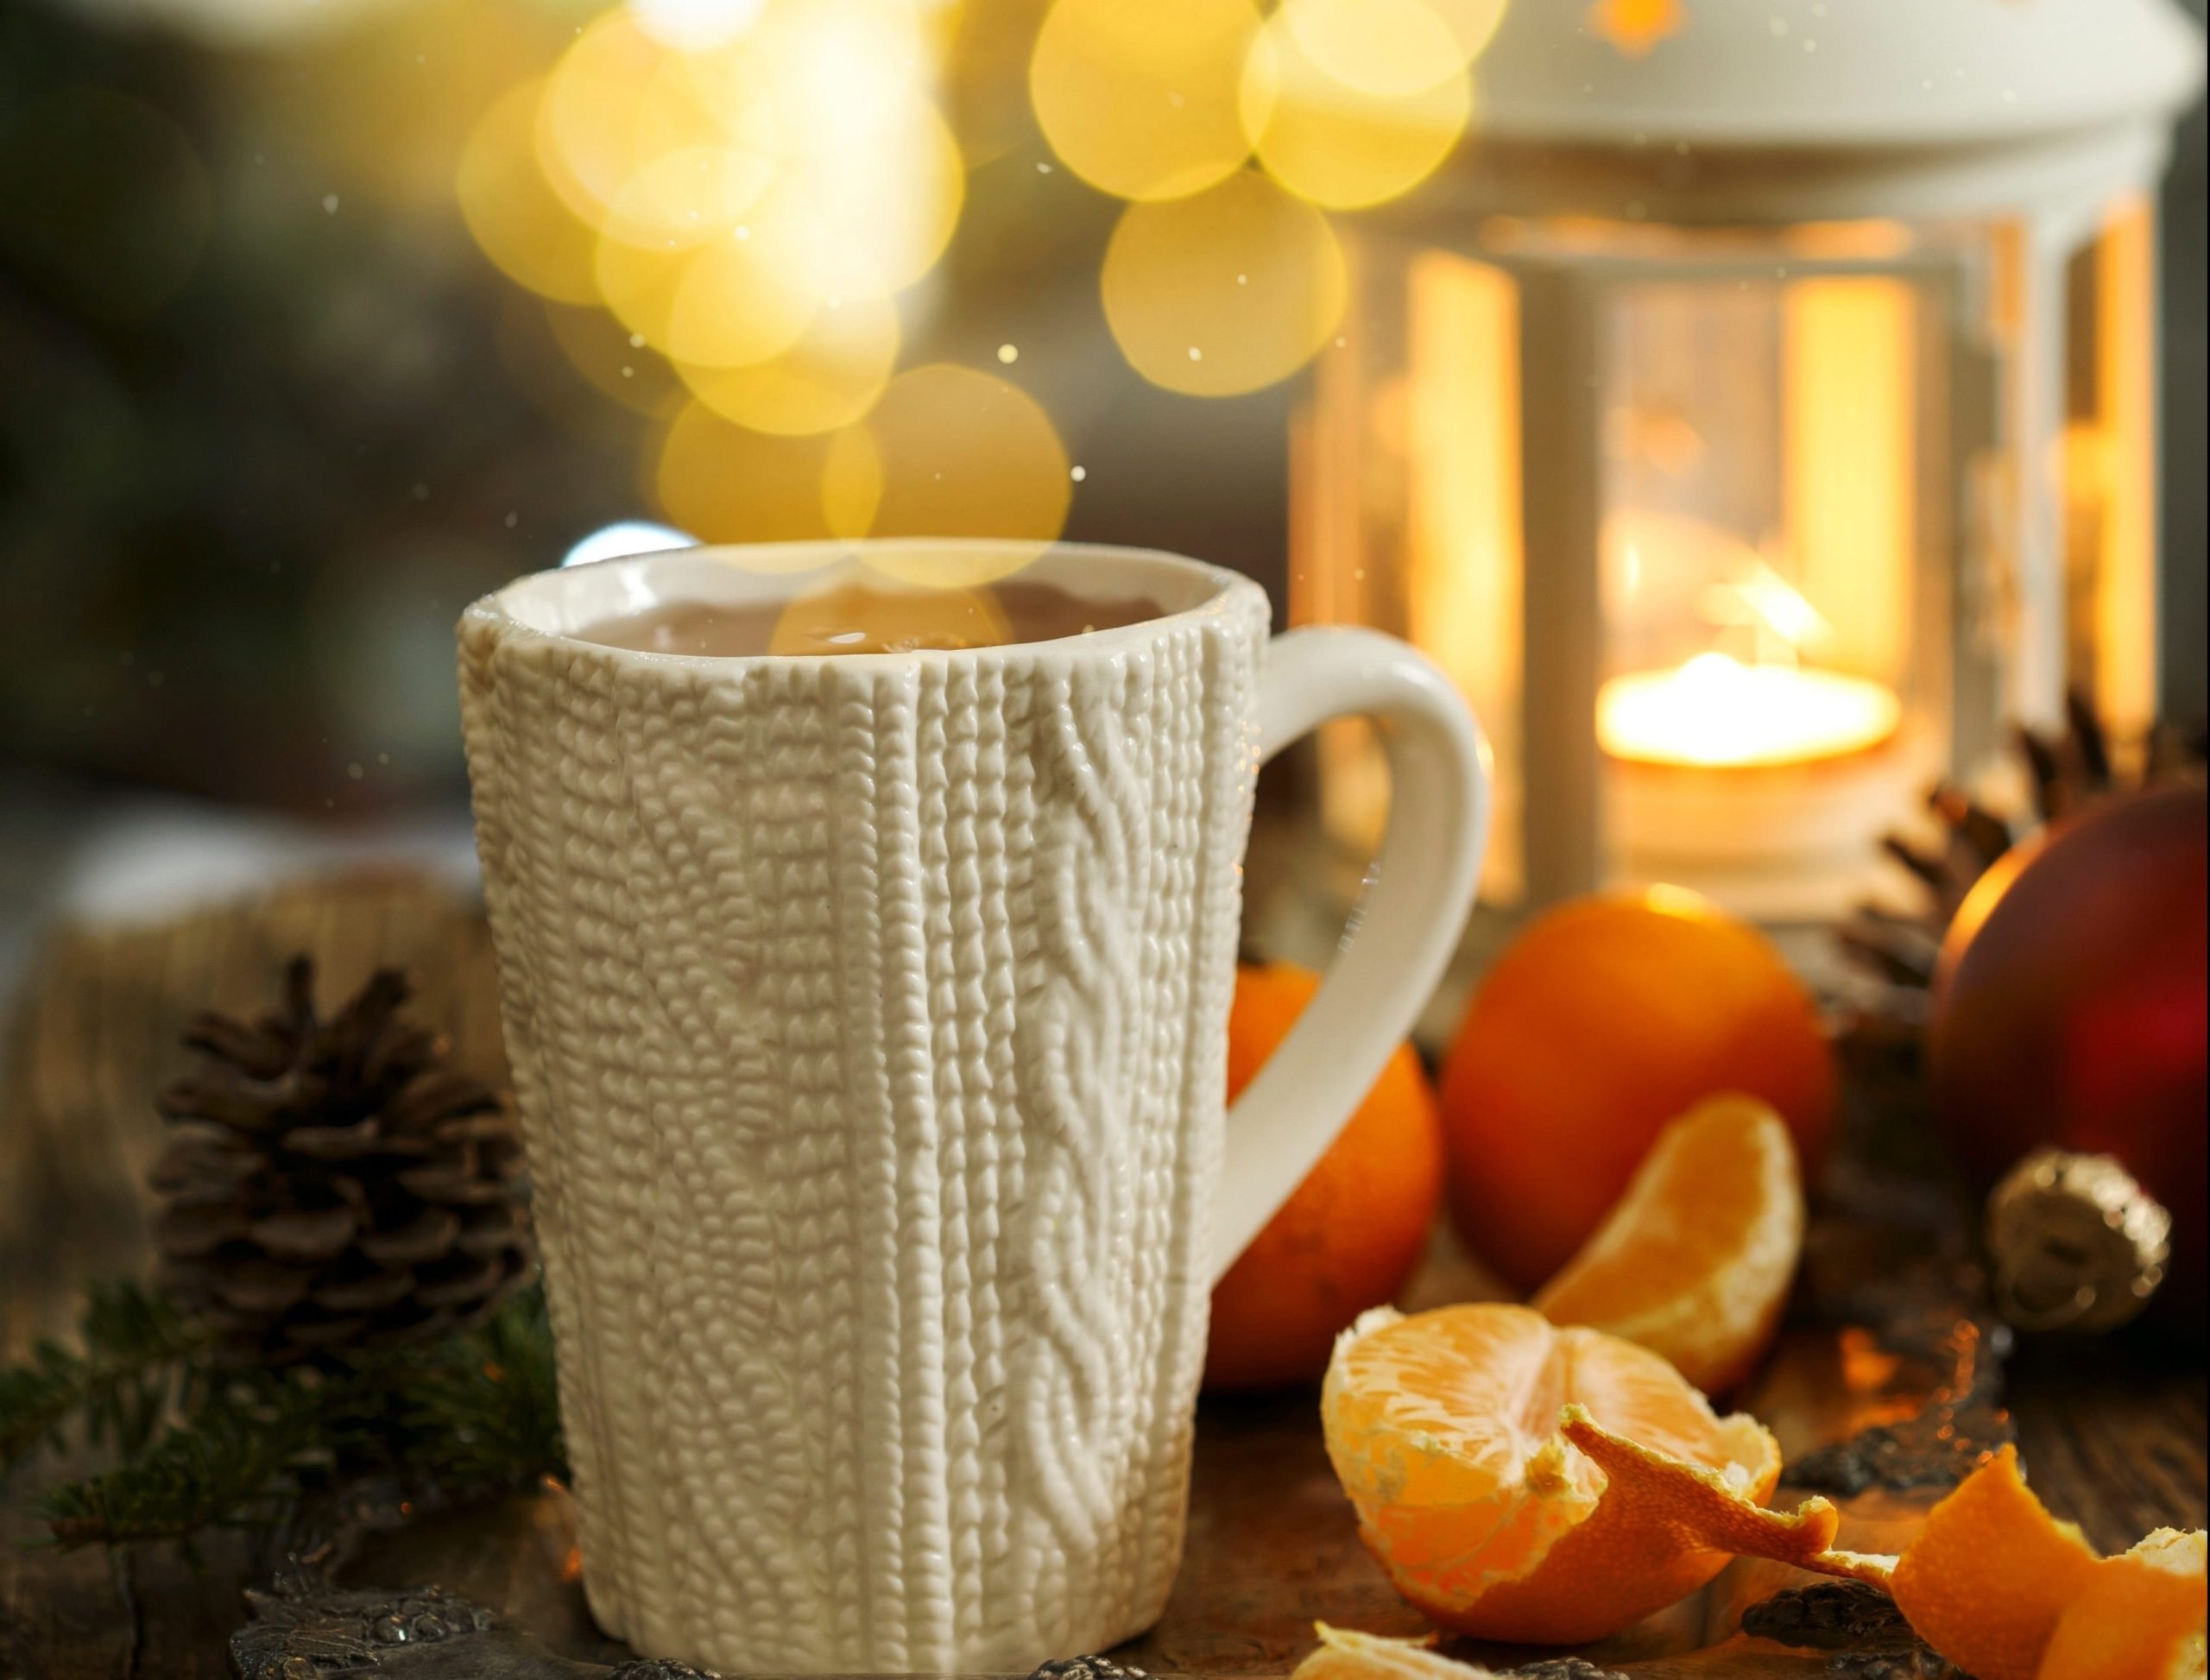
point(1764, 785)
point(1716, 712)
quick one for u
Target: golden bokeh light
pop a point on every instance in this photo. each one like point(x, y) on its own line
point(984, 79)
point(740, 299)
point(839, 67)
point(724, 484)
point(521, 224)
point(835, 92)
point(687, 196)
point(1224, 293)
point(689, 26)
point(1337, 144)
point(828, 377)
point(1140, 97)
point(587, 126)
point(605, 353)
point(1388, 48)
point(628, 138)
point(696, 98)
point(950, 452)
point(880, 213)
point(744, 186)
point(1474, 22)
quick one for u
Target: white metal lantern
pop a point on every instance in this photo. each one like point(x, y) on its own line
point(1756, 418)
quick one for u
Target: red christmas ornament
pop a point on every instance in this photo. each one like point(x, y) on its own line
point(2070, 1005)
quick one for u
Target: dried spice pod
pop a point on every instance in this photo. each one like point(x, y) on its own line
point(1087, 1668)
point(1564, 1668)
point(332, 1184)
point(1832, 1615)
point(1854, 1621)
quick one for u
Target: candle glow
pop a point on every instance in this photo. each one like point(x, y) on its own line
point(1714, 712)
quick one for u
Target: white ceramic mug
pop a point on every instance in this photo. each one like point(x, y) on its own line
point(867, 1016)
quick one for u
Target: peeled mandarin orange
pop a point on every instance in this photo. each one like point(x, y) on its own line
point(1987, 1579)
point(1349, 1237)
point(1694, 1261)
point(1604, 1018)
point(2141, 1616)
point(1521, 1482)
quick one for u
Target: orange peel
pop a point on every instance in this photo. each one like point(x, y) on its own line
point(2140, 1617)
point(1653, 1493)
point(1991, 1575)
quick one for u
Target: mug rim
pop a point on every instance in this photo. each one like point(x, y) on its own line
point(502, 608)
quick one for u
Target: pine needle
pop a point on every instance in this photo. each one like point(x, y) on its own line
point(196, 1445)
point(116, 1385)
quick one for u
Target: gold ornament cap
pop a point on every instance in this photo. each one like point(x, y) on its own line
point(2076, 1243)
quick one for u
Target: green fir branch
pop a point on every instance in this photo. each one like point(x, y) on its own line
point(116, 1385)
point(199, 1445)
point(485, 1409)
point(230, 1467)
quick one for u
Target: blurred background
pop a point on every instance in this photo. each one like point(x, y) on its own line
point(320, 318)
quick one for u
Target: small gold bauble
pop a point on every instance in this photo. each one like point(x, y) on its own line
point(2075, 1241)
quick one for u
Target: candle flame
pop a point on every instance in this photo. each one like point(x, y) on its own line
point(1779, 619)
point(1715, 711)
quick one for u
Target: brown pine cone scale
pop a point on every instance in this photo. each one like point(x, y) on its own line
point(333, 1184)
point(1897, 950)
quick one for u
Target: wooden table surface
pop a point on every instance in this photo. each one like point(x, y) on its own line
point(2112, 1433)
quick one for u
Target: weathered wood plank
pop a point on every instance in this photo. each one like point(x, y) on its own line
point(2115, 1440)
point(144, 1614)
point(2112, 1440)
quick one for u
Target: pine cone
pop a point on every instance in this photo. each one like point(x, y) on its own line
point(330, 1185)
point(2068, 772)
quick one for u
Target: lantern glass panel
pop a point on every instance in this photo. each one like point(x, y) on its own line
point(1405, 486)
point(1771, 457)
point(1761, 427)
point(2108, 466)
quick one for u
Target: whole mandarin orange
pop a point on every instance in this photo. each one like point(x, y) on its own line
point(1604, 1018)
point(1349, 1237)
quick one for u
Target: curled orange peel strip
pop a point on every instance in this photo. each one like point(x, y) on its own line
point(2006, 1591)
point(1986, 1578)
point(2142, 1613)
point(1699, 1510)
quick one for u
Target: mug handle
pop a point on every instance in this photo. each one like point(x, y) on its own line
point(1405, 929)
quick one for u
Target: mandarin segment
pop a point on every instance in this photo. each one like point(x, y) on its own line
point(1463, 1439)
point(1444, 1408)
point(1696, 1260)
point(1991, 1573)
point(1346, 1654)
